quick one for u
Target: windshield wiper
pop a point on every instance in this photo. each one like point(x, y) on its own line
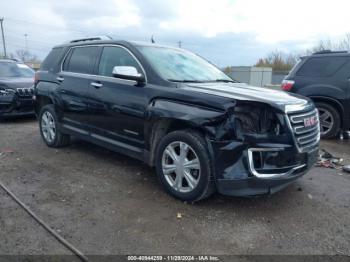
point(225, 81)
point(202, 81)
point(185, 81)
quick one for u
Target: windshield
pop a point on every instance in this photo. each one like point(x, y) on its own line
point(10, 69)
point(179, 65)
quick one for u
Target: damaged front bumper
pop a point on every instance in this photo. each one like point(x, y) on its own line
point(14, 105)
point(246, 170)
point(266, 153)
point(264, 164)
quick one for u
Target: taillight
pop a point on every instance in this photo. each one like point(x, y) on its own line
point(287, 85)
point(36, 78)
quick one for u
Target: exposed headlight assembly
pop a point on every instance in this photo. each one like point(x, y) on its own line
point(251, 119)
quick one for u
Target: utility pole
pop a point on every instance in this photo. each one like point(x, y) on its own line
point(179, 43)
point(3, 36)
point(26, 42)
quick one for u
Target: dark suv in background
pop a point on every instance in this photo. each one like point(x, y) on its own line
point(325, 78)
point(175, 111)
point(16, 89)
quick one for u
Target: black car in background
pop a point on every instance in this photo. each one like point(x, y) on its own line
point(172, 109)
point(325, 78)
point(16, 89)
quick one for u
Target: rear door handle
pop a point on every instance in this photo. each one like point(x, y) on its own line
point(96, 84)
point(60, 79)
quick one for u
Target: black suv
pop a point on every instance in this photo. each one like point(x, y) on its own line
point(325, 78)
point(176, 111)
point(16, 89)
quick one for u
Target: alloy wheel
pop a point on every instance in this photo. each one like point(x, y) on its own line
point(48, 127)
point(326, 121)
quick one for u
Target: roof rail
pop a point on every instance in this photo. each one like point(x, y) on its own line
point(329, 52)
point(96, 38)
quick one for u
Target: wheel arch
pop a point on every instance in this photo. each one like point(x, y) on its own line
point(40, 101)
point(45, 93)
point(164, 126)
point(167, 116)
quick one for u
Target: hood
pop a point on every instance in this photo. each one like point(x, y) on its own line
point(239, 91)
point(16, 82)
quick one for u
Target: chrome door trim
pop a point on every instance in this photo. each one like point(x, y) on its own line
point(116, 143)
point(78, 130)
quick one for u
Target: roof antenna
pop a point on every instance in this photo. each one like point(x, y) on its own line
point(152, 40)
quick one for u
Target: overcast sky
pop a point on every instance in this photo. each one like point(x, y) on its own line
point(227, 32)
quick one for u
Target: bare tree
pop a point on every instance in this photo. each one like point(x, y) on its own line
point(344, 44)
point(278, 60)
point(26, 56)
point(227, 70)
point(22, 54)
point(322, 45)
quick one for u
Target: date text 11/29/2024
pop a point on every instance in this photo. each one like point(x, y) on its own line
point(173, 258)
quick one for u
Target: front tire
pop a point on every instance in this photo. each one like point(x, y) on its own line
point(329, 120)
point(49, 130)
point(183, 165)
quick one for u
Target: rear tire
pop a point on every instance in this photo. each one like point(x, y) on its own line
point(189, 176)
point(50, 133)
point(329, 120)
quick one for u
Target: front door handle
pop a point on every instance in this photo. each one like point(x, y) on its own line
point(60, 79)
point(96, 84)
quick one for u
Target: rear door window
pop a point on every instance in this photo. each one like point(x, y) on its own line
point(321, 66)
point(81, 60)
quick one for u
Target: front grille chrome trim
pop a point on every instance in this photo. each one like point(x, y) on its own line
point(293, 117)
point(305, 138)
point(25, 91)
point(299, 130)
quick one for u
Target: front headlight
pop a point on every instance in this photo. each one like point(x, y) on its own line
point(6, 91)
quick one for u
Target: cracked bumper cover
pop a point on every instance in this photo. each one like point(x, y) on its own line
point(247, 170)
point(12, 105)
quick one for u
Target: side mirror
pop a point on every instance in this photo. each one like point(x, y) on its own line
point(128, 73)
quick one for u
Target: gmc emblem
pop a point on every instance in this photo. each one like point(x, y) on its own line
point(310, 121)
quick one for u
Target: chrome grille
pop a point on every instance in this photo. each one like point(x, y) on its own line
point(25, 91)
point(306, 137)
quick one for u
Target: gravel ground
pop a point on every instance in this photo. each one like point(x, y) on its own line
point(106, 203)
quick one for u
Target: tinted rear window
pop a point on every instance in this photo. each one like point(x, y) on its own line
point(321, 66)
point(52, 59)
point(81, 60)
